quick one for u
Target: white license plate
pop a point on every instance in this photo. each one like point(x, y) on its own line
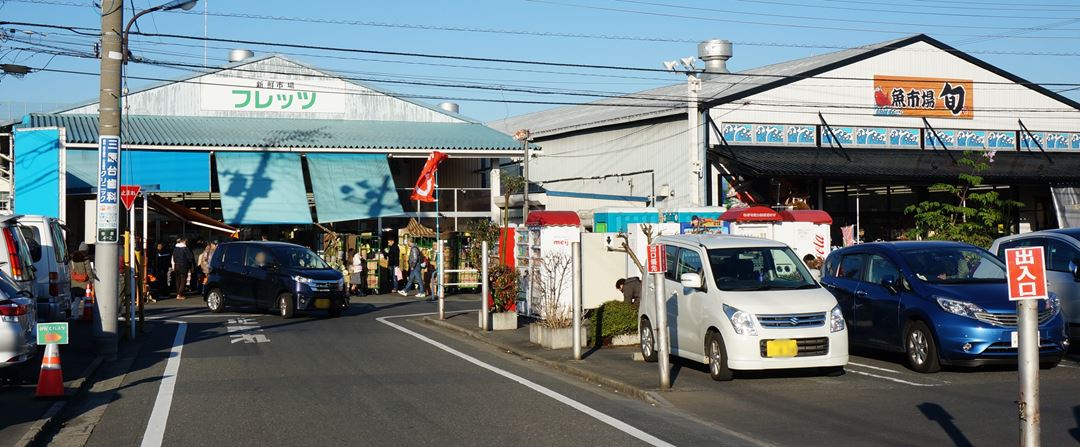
point(1015, 339)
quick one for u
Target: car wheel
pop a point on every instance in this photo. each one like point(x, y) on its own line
point(215, 301)
point(1049, 365)
point(648, 340)
point(835, 371)
point(922, 353)
point(718, 367)
point(336, 309)
point(286, 308)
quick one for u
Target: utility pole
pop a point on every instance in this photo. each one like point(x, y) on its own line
point(106, 254)
point(693, 119)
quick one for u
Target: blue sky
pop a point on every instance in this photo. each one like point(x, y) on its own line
point(764, 32)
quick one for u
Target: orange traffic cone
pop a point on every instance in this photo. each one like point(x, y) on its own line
point(51, 380)
point(88, 303)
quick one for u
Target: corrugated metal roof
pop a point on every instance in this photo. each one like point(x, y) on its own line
point(670, 100)
point(216, 132)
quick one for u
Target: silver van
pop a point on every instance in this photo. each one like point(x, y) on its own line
point(48, 249)
point(1062, 250)
point(15, 254)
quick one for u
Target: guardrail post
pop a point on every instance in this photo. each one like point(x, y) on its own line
point(484, 287)
point(442, 281)
point(575, 247)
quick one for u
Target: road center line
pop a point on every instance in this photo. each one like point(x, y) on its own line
point(905, 382)
point(159, 417)
point(617, 424)
point(874, 367)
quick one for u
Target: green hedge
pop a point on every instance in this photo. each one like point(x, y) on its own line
point(613, 318)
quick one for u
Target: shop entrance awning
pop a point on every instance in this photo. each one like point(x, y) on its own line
point(352, 187)
point(751, 214)
point(912, 165)
point(178, 211)
point(262, 188)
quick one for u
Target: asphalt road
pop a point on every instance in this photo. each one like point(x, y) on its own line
point(358, 381)
point(255, 379)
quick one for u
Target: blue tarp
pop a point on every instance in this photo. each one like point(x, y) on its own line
point(352, 186)
point(37, 172)
point(168, 171)
point(262, 188)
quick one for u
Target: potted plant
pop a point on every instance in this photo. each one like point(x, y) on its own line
point(615, 323)
point(503, 300)
point(552, 283)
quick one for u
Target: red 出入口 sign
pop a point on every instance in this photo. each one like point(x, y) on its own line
point(1026, 269)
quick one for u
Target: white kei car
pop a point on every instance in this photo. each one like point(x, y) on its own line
point(744, 303)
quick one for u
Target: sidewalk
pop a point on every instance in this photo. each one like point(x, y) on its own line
point(23, 416)
point(611, 367)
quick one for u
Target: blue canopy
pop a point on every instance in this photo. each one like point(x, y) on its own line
point(352, 186)
point(262, 188)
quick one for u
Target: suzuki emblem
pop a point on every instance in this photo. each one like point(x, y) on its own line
point(794, 321)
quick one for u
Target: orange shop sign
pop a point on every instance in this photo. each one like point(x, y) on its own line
point(923, 97)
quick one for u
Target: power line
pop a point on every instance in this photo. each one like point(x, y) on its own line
point(786, 25)
point(983, 5)
point(912, 11)
point(534, 33)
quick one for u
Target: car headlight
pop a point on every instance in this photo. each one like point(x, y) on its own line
point(742, 322)
point(1053, 303)
point(303, 280)
point(341, 284)
point(962, 308)
point(836, 320)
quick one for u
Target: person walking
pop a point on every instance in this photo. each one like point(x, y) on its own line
point(182, 261)
point(416, 275)
point(204, 263)
point(81, 273)
point(159, 267)
point(393, 263)
point(357, 273)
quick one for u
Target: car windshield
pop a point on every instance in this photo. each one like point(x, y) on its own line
point(954, 265)
point(746, 269)
point(299, 258)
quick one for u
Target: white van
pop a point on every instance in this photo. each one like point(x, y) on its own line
point(744, 303)
point(48, 249)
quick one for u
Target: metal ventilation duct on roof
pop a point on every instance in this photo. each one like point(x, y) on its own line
point(239, 54)
point(451, 107)
point(715, 53)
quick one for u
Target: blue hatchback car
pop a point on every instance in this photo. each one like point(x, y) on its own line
point(938, 302)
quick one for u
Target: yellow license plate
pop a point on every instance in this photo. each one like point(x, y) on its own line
point(781, 348)
point(322, 303)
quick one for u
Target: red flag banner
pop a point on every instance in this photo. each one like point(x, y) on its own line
point(424, 190)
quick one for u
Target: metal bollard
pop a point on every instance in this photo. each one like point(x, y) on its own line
point(484, 311)
point(575, 247)
point(662, 343)
point(442, 281)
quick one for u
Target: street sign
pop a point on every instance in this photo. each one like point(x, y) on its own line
point(128, 193)
point(108, 213)
point(657, 262)
point(52, 333)
point(1026, 267)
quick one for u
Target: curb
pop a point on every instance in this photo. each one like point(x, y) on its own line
point(48, 419)
point(619, 386)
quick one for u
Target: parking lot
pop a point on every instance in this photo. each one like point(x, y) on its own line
point(879, 401)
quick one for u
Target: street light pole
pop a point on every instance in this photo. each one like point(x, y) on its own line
point(106, 253)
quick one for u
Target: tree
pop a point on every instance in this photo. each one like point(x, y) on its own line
point(510, 185)
point(974, 217)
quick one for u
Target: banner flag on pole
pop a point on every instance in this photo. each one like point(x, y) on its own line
point(425, 185)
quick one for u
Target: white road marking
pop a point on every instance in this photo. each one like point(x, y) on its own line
point(874, 367)
point(905, 382)
point(203, 316)
point(159, 416)
point(617, 424)
point(1069, 365)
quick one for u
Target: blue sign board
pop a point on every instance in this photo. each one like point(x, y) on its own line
point(108, 195)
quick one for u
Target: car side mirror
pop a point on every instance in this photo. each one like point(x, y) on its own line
point(1074, 267)
point(690, 280)
point(890, 282)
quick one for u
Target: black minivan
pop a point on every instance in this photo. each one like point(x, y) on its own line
point(273, 275)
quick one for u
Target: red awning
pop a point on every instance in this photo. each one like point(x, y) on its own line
point(751, 214)
point(817, 217)
point(166, 206)
point(553, 218)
